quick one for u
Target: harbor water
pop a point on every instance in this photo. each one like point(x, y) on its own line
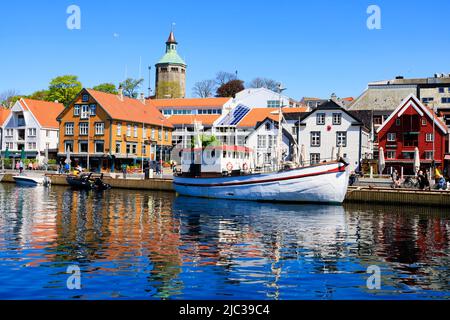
point(155, 245)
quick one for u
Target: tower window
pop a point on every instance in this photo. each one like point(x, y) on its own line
point(174, 69)
point(163, 69)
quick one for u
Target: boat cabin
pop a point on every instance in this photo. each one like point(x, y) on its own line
point(217, 161)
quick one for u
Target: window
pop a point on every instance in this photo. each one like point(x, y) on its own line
point(341, 139)
point(272, 141)
point(68, 146)
point(47, 133)
point(93, 110)
point(268, 127)
point(427, 100)
point(76, 110)
point(377, 120)
point(131, 148)
point(390, 154)
point(429, 137)
point(262, 141)
point(32, 132)
point(83, 147)
point(429, 155)
point(85, 98)
point(9, 133)
point(153, 134)
point(441, 90)
point(315, 158)
point(119, 129)
point(273, 103)
point(84, 111)
point(294, 131)
point(315, 139)
point(391, 137)
point(424, 122)
point(320, 119)
point(69, 128)
point(31, 145)
point(337, 118)
point(9, 145)
point(84, 128)
point(159, 135)
point(118, 147)
point(129, 130)
point(135, 131)
point(445, 100)
point(99, 146)
point(144, 132)
point(99, 128)
point(398, 122)
point(166, 134)
point(144, 149)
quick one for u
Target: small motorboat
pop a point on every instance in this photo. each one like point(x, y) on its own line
point(27, 181)
point(87, 182)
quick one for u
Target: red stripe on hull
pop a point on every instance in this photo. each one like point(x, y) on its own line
point(336, 170)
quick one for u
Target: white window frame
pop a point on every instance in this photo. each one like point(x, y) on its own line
point(429, 137)
point(84, 128)
point(69, 128)
point(390, 152)
point(321, 119)
point(85, 111)
point(337, 119)
point(119, 129)
point(129, 130)
point(391, 137)
point(315, 139)
point(136, 128)
point(99, 128)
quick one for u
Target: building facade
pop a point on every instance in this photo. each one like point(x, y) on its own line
point(31, 126)
point(171, 73)
point(109, 130)
point(413, 125)
point(193, 106)
point(330, 129)
point(264, 98)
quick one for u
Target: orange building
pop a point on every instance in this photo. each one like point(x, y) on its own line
point(110, 130)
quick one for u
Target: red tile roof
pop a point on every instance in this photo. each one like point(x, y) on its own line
point(128, 109)
point(257, 115)
point(45, 112)
point(295, 110)
point(187, 103)
point(205, 119)
point(4, 114)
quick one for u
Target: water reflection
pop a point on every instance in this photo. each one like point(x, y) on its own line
point(153, 245)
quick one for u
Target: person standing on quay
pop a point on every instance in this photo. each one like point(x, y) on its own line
point(124, 170)
point(21, 167)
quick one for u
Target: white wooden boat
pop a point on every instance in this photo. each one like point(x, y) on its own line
point(31, 181)
point(322, 183)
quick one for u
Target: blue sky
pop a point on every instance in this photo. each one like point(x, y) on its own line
point(314, 47)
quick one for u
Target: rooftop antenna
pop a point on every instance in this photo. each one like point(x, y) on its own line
point(173, 26)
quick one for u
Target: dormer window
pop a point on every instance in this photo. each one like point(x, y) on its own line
point(76, 110)
point(85, 98)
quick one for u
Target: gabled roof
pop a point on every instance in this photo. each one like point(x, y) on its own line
point(257, 115)
point(189, 102)
point(44, 112)
point(205, 119)
point(412, 101)
point(275, 123)
point(4, 114)
point(330, 105)
point(295, 110)
point(129, 109)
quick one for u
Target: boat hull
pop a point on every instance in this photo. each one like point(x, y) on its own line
point(325, 183)
point(28, 181)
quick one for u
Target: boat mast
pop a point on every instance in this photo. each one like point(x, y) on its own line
point(280, 128)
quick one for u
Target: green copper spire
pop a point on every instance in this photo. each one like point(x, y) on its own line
point(171, 56)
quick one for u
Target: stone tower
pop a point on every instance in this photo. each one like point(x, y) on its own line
point(171, 73)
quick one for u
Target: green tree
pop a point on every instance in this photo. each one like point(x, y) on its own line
point(40, 95)
point(106, 87)
point(230, 88)
point(131, 87)
point(64, 89)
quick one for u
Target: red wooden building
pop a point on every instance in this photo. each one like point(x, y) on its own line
point(413, 125)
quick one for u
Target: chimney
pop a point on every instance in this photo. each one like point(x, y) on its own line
point(120, 93)
point(142, 97)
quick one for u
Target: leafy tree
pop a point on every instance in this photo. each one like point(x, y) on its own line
point(168, 89)
point(260, 82)
point(106, 87)
point(40, 95)
point(64, 89)
point(222, 77)
point(131, 87)
point(207, 141)
point(230, 89)
point(204, 89)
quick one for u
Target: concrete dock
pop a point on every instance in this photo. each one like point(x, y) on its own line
point(359, 194)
